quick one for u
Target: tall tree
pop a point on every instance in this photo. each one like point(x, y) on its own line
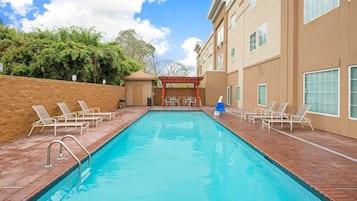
point(136, 48)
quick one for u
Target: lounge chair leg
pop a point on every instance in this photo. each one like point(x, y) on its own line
point(31, 131)
point(312, 128)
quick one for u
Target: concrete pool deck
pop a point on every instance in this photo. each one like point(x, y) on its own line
point(325, 161)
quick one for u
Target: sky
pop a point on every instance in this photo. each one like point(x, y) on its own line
point(172, 26)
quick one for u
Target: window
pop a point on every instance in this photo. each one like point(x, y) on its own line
point(263, 32)
point(252, 3)
point(233, 21)
point(233, 53)
point(353, 92)
point(321, 91)
point(262, 94)
point(237, 93)
point(220, 62)
point(316, 8)
point(229, 95)
point(220, 36)
point(252, 40)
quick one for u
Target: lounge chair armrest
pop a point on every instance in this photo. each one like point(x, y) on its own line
point(75, 114)
point(88, 111)
point(36, 123)
point(54, 119)
point(96, 109)
point(260, 110)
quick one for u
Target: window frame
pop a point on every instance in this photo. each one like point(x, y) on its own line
point(252, 4)
point(266, 94)
point(232, 56)
point(237, 98)
point(219, 62)
point(229, 95)
point(253, 42)
point(220, 36)
point(263, 29)
point(338, 92)
point(306, 21)
point(233, 20)
point(350, 92)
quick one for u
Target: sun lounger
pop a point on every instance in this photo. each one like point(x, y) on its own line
point(77, 116)
point(277, 114)
point(258, 111)
point(47, 121)
point(95, 111)
point(299, 117)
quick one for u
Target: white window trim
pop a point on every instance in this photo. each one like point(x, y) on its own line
point(266, 94)
point(234, 56)
point(338, 98)
point(349, 92)
point(229, 95)
point(235, 99)
point(265, 28)
point(255, 42)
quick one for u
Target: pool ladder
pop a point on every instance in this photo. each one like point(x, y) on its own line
point(81, 175)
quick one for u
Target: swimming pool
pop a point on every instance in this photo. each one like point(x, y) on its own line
point(179, 156)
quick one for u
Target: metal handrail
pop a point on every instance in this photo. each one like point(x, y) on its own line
point(60, 156)
point(48, 164)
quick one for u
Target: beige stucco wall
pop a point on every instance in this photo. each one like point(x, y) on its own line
point(215, 86)
point(324, 43)
point(18, 94)
point(233, 82)
point(267, 11)
point(263, 73)
point(205, 57)
point(233, 37)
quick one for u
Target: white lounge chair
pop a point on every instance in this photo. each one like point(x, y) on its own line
point(299, 117)
point(77, 116)
point(258, 111)
point(95, 111)
point(47, 121)
point(276, 114)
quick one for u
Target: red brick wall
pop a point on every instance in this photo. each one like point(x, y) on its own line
point(18, 94)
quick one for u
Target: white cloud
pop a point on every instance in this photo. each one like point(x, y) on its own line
point(190, 55)
point(106, 16)
point(20, 7)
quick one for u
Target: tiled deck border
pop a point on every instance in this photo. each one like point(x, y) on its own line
point(22, 173)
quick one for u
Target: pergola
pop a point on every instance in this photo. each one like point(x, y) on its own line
point(180, 79)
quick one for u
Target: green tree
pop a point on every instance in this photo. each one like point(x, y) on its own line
point(60, 53)
point(136, 48)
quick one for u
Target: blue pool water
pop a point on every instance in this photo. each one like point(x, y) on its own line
point(180, 156)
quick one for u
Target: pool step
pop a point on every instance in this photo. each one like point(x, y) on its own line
point(85, 174)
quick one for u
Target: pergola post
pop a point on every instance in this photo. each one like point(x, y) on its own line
point(197, 93)
point(163, 95)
